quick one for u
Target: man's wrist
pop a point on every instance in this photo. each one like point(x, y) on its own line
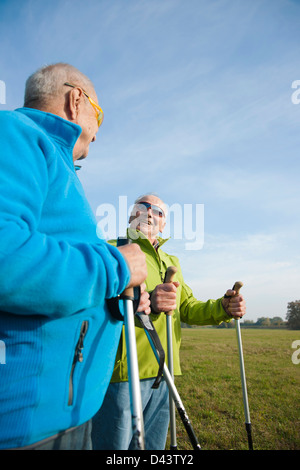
point(224, 307)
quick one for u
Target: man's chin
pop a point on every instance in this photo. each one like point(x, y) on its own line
point(146, 229)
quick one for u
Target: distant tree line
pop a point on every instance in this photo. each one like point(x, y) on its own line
point(262, 322)
point(292, 320)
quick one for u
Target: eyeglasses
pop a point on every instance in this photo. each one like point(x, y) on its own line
point(155, 209)
point(98, 110)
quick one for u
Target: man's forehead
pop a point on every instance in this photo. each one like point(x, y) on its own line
point(152, 200)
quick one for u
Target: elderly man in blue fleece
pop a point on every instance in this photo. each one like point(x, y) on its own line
point(55, 273)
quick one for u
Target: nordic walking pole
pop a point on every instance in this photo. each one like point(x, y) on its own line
point(237, 286)
point(181, 410)
point(147, 324)
point(171, 271)
point(132, 363)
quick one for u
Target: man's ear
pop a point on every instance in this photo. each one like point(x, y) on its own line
point(74, 103)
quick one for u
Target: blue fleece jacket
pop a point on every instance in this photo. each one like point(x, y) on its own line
point(55, 276)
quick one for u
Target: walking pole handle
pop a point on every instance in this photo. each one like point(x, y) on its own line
point(237, 286)
point(128, 292)
point(171, 271)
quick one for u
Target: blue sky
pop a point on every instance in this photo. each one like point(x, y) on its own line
point(197, 98)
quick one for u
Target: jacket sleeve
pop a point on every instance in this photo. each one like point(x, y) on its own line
point(197, 312)
point(40, 274)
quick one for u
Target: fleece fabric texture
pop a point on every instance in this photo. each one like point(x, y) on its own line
point(55, 276)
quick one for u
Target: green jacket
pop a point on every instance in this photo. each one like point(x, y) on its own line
point(189, 310)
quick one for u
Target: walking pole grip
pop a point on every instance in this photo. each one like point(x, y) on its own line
point(128, 293)
point(237, 286)
point(171, 271)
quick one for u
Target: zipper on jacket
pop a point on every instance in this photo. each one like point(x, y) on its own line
point(78, 357)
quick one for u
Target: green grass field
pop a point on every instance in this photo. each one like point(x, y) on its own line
point(210, 389)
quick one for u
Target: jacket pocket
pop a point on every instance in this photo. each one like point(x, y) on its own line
point(77, 358)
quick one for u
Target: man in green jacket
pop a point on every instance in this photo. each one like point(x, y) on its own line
point(112, 424)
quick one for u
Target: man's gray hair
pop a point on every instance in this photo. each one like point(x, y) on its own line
point(48, 81)
point(140, 198)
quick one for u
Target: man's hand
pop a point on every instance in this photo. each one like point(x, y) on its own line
point(234, 306)
point(163, 298)
point(136, 261)
point(144, 305)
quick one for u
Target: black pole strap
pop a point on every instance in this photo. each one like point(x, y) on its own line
point(146, 323)
point(154, 339)
point(114, 306)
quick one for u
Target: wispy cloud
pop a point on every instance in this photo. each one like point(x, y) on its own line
point(197, 104)
point(270, 279)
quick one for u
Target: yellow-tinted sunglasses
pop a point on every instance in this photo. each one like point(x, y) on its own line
point(98, 110)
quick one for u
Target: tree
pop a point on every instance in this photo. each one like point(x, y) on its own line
point(293, 315)
point(276, 321)
point(263, 321)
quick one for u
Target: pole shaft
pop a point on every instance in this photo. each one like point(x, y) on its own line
point(177, 400)
point(173, 438)
point(133, 378)
point(244, 385)
point(242, 369)
point(181, 410)
point(237, 286)
point(169, 276)
point(132, 364)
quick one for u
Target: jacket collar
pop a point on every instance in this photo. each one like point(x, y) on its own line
point(64, 132)
point(143, 240)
